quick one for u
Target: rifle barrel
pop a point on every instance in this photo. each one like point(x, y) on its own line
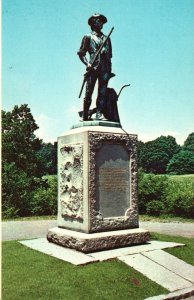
point(95, 57)
point(101, 46)
point(84, 81)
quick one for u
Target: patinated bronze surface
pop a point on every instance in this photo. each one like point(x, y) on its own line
point(101, 69)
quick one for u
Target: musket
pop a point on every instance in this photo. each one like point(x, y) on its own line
point(94, 59)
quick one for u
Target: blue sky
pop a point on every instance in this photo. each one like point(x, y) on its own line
point(153, 46)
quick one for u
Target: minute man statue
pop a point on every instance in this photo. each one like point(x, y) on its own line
point(100, 69)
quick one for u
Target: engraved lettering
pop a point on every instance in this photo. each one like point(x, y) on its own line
point(113, 179)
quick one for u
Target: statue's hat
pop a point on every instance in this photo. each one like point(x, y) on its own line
point(97, 16)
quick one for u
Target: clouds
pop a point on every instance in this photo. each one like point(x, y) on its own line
point(47, 128)
point(50, 128)
point(149, 136)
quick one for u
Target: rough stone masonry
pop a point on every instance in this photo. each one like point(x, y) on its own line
point(97, 192)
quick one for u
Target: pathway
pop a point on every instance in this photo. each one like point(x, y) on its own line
point(18, 230)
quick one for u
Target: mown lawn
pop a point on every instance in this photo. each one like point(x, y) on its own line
point(28, 274)
point(185, 253)
point(165, 219)
point(188, 177)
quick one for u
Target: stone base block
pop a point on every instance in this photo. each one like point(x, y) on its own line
point(97, 241)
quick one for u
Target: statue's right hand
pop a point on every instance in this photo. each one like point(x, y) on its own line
point(88, 67)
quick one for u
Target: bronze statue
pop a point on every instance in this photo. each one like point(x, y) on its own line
point(98, 67)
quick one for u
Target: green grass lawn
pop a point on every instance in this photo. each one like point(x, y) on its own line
point(165, 219)
point(28, 274)
point(188, 177)
point(185, 253)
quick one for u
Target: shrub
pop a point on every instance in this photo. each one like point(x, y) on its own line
point(166, 194)
point(45, 198)
point(17, 190)
point(155, 207)
point(151, 188)
point(180, 198)
point(9, 212)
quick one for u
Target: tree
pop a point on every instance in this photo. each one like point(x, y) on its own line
point(45, 200)
point(21, 167)
point(181, 163)
point(140, 154)
point(19, 141)
point(48, 156)
point(155, 155)
point(17, 191)
point(189, 143)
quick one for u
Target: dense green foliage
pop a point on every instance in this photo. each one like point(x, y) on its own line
point(161, 194)
point(20, 165)
point(19, 141)
point(45, 199)
point(154, 155)
point(47, 154)
point(163, 155)
point(189, 143)
point(181, 163)
point(180, 196)
point(17, 191)
point(151, 192)
point(23, 164)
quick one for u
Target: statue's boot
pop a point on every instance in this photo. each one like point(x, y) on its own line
point(100, 116)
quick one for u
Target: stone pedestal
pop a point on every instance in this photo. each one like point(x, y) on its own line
point(97, 192)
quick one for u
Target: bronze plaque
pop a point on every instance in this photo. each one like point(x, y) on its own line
point(113, 188)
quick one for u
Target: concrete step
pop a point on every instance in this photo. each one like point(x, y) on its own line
point(187, 294)
point(156, 272)
point(172, 263)
point(66, 254)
